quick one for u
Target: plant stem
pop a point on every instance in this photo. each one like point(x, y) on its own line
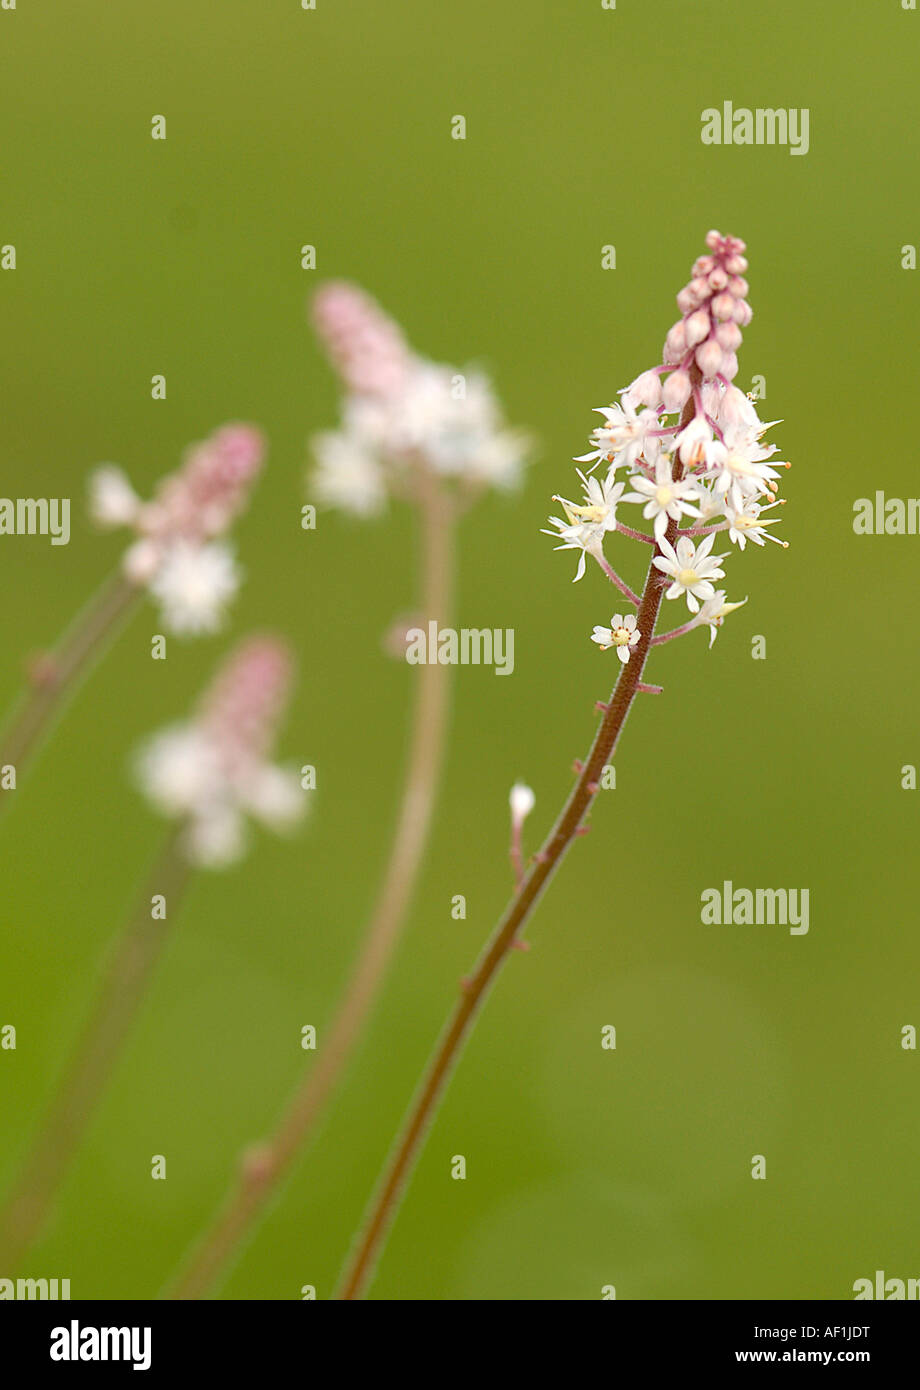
point(614, 578)
point(122, 992)
point(362, 1261)
point(56, 675)
point(263, 1168)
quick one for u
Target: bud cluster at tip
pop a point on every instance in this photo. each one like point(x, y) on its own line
point(367, 349)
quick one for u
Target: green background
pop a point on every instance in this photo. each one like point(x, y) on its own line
point(137, 257)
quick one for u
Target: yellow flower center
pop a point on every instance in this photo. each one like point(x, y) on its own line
point(664, 496)
point(621, 636)
point(687, 577)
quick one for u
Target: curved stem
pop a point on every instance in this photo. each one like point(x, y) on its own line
point(56, 675)
point(263, 1168)
point(614, 578)
point(122, 992)
point(361, 1264)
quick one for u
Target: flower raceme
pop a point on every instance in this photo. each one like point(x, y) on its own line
point(178, 554)
point(214, 769)
point(711, 467)
point(402, 412)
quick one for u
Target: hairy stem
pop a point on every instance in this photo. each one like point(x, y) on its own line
point(363, 1258)
point(55, 676)
point(124, 985)
point(263, 1168)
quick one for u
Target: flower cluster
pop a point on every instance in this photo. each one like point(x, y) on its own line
point(402, 413)
point(711, 466)
point(177, 553)
point(212, 770)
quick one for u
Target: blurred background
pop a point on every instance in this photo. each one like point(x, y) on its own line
point(135, 257)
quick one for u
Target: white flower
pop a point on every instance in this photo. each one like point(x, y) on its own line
point(347, 474)
point(622, 438)
point(663, 497)
point(194, 583)
point(622, 634)
point(747, 524)
point(588, 522)
point(112, 499)
point(690, 569)
point(738, 469)
point(714, 610)
point(695, 443)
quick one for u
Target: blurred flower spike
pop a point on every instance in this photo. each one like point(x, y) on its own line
point(178, 554)
point(214, 770)
point(402, 413)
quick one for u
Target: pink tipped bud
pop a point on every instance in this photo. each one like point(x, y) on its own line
point(677, 390)
point(736, 265)
point(210, 489)
point(366, 347)
point(729, 366)
point(743, 313)
point(703, 265)
point(713, 240)
point(709, 357)
point(645, 390)
point(738, 286)
point(675, 344)
point(700, 287)
point(246, 699)
point(697, 327)
point(687, 300)
point(724, 307)
point(728, 336)
point(717, 280)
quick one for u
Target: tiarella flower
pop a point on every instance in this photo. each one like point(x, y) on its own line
point(347, 474)
point(738, 469)
point(177, 554)
point(587, 523)
point(748, 525)
point(664, 498)
point(194, 584)
point(213, 771)
point(713, 611)
point(622, 634)
point(621, 439)
point(691, 569)
point(403, 413)
point(695, 444)
point(522, 801)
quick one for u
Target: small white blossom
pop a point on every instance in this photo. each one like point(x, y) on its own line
point(690, 568)
point(623, 436)
point(522, 801)
point(194, 584)
point(622, 634)
point(664, 498)
point(748, 524)
point(714, 610)
point(347, 474)
point(588, 522)
point(112, 499)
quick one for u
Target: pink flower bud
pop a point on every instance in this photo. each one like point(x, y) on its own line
point(738, 286)
point(724, 307)
point(709, 357)
point(743, 313)
point(703, 265)
point(242, 707)
point(729, 366)
point(687, 300)
point(713, 239)
point(717, 280)
point(677, 390)
point(697, 327)
point(728, 336)
point(645, 390)
point(700, 288)
point(675, 344)
point(736, 265)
